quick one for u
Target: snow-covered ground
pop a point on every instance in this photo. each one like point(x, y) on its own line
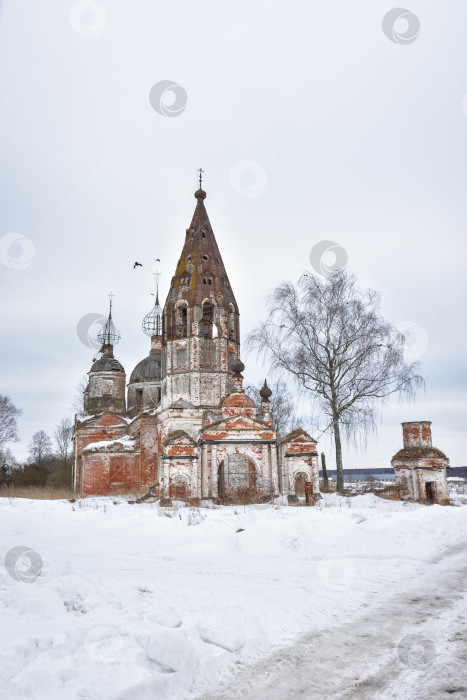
point(357, 597)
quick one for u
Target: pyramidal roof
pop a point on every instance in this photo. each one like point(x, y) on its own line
point(200, 272)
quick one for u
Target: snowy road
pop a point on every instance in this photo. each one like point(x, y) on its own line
point(412, 646)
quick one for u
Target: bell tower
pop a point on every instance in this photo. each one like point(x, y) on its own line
point(201, 333)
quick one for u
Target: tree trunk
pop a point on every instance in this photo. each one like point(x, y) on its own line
point(337, 439)
point(325, 471)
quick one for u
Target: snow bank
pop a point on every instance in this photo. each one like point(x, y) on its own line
point(130, 603)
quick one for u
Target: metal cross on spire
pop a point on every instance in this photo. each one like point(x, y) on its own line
point(111, 296)
point(201, 171)
point(156, 276)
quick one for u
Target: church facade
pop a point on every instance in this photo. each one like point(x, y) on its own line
point(183, 428)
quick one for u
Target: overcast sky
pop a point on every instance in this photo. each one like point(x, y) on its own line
point(311, 123)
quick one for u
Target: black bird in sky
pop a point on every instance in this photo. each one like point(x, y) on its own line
point(157, 260)
point(136, 264)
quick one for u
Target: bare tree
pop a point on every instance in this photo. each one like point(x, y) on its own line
point(77, 404)
point(282, 405)
point(40, 449)
point(63, 437)
point(331, 338)
point(8, 417)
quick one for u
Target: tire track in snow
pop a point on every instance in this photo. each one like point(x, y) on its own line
point(359, 660)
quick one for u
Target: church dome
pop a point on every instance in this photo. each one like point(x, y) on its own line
point(106, 364)
point(148, 370)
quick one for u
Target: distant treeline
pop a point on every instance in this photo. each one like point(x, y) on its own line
point(457, 471)
point(369, 472)
point(454, 471)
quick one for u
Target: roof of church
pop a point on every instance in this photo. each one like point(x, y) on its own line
point(419, 453)
point(107, 363)
point(149, 369)
point(200, 272)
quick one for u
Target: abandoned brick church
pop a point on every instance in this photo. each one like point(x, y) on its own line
point(184, 429)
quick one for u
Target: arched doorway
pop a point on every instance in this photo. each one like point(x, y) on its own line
point(300, 480)
point(236, 478)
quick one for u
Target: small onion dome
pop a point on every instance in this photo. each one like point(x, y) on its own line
point(200, 194)
point(265, 392)
point(237, 366)
point(107, 363)
point(149, 369)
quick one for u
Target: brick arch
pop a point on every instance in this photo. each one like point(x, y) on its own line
point(208, 300)
point(207, 322)
point(238, 478)
point(243, 450)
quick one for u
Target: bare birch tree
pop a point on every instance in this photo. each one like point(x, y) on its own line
point(331, 338)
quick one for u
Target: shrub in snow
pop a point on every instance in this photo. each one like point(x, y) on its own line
point(195, 517)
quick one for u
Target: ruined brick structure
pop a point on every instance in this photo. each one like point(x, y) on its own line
point(188, 431)
point(420, 468)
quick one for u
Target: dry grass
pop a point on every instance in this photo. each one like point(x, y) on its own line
point(37, 492)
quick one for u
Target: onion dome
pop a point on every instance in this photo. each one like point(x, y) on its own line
point(265, 392)
point(237, 366)
point(149, 369)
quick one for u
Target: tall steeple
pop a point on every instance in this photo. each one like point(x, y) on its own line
point(202, 309)
point(200, 273)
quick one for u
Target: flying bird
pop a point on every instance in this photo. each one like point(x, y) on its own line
point(136, 264)
point(157, 260)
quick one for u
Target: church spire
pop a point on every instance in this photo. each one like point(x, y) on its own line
point(109, 335)
point(200, 272)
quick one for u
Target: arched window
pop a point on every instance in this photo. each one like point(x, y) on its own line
point(205, 325)
point(181, 320)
